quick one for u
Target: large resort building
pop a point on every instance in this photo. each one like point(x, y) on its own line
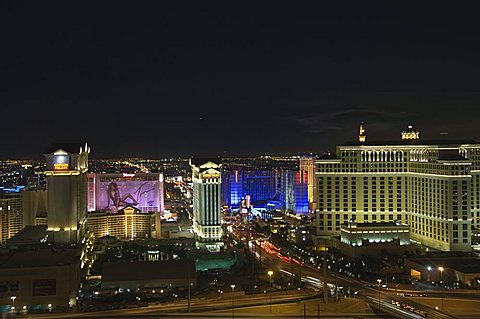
point(432, 186)
point(207, 218)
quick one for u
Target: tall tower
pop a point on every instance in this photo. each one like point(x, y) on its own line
point(207, 219)
point(67, 166)
point(307, 163)
point(362, 135)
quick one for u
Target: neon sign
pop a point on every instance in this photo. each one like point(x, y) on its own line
point(60, 166)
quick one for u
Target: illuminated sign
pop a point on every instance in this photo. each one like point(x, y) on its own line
point(60, 163)
point(60, 166)
point(128, 175)
point(211, 175)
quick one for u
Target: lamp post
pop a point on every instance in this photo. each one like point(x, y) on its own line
point(233, 301)
point(13, 304)
point(379, 282)
point(441, 269)
point(270, 273)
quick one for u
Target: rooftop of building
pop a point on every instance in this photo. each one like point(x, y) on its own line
point(449, 155)
point(43, 257)
point(203, 160)
point(147, 270)
point(327, 155)
point(136, 211)
point(411, 142)
point(31, 234)
point(125, 175)
point(73, 148)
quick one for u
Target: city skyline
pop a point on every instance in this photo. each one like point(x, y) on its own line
point(205, 80)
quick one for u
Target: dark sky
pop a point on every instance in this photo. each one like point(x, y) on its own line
point(226, 78)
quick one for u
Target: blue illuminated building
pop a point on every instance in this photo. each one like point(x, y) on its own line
point(294, 190)
point(267, 189)
point(15, 189)
point(261, 185)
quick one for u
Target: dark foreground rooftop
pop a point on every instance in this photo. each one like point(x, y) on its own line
point(147, 270)
point(43, 257)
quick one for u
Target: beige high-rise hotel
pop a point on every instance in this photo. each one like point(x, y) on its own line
point(432, 186)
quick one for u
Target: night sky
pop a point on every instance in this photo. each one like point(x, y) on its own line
point(233, 78)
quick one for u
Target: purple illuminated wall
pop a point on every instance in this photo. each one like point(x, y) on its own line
point(115, 194)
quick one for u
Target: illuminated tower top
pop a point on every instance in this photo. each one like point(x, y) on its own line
point(410, 133)
point(67, 159)
point(362, 135)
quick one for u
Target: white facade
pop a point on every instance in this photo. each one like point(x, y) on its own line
point(207, 219)
point(434, 187)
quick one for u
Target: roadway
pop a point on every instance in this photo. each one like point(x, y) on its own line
point(281, 265)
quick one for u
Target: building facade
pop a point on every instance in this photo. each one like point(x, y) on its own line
point(128, 224)
point(66, 173)
point(11, 216)
point(433, 186)
point(47, 281)
point(207, 219)
point(307, 163)
point(112, 192)
point(259, 185)
point(358, 234)
point(294, 190)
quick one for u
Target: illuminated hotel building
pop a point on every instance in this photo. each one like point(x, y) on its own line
point(433, 186)
point(11, 216)
point(207, 219)
point(131, 200)
point(127, 224)
point(66, 173)
point(260, 185)
point(294, 190)
point(307, 163)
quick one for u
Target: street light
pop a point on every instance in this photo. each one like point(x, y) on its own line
point(441, 269)
point(270, 273)
point(379, 281)
point(233, 301)
point(13, 304)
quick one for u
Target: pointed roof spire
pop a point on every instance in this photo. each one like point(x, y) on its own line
point(362, 135)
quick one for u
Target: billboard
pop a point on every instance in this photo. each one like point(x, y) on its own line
point(114, 192)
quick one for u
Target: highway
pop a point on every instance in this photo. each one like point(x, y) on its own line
point(281, 265)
